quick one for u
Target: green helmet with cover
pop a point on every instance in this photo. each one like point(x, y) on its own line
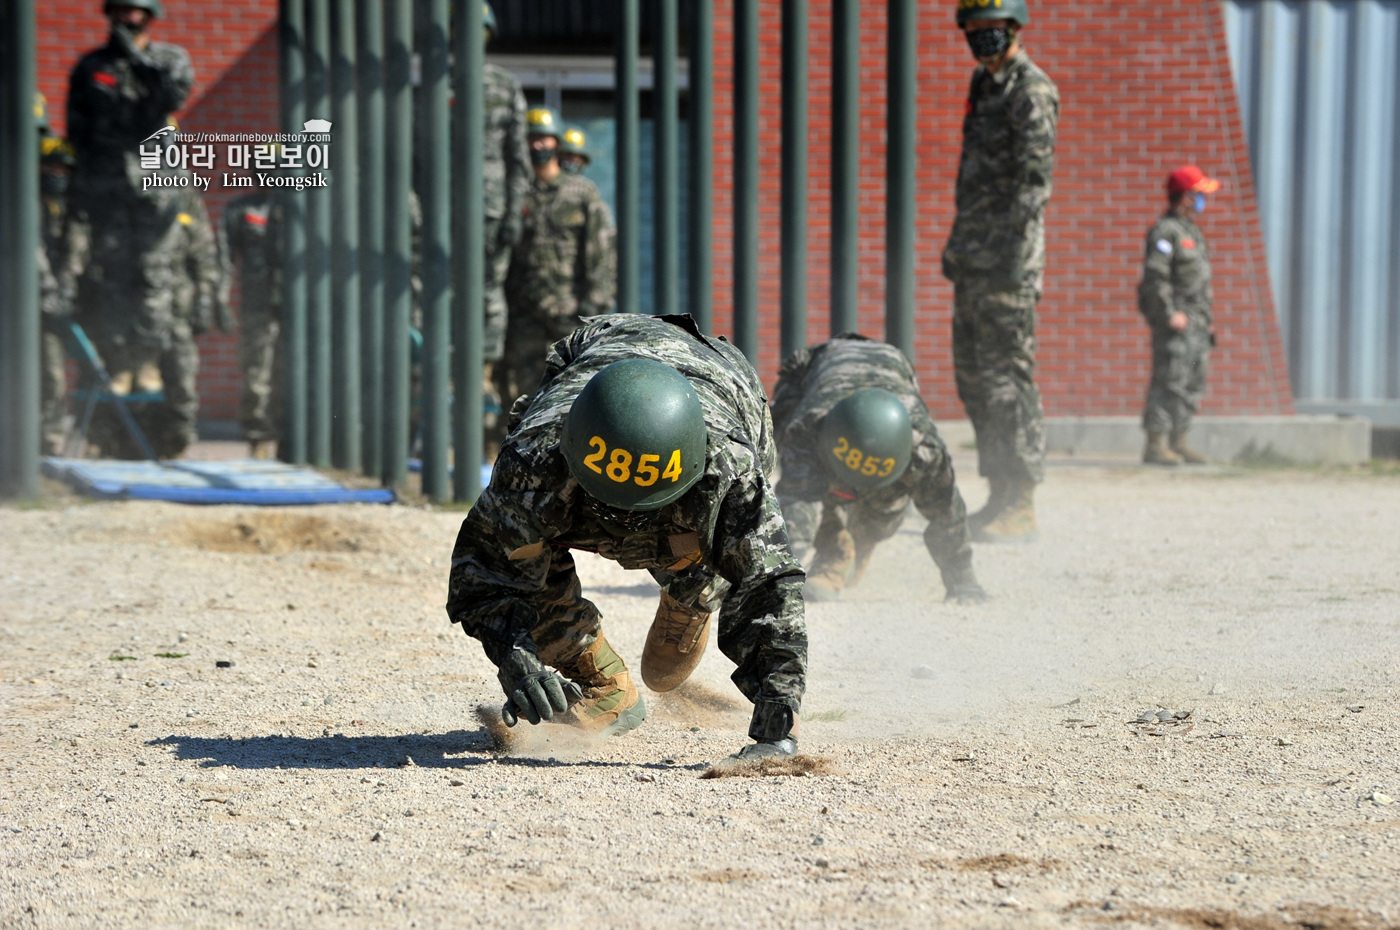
point(867, 440)
point(635, 437)
point(573, 142)
point(542, 121)
point(1015, 10)
point(488, 20)
point(150, 6)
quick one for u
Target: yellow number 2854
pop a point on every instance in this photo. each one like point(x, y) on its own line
point(619, 466)
point(868, 465)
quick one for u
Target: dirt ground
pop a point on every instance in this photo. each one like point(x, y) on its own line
point(1179, 710)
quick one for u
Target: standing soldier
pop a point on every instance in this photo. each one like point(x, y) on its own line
point(649, 444)
point(857, 444)
point(120, 97)
point(564, 268)
point(573, 151)
point(55, 172)
point(995, 258)
point(253, 235)
point(505, 184)
point(1175, 297)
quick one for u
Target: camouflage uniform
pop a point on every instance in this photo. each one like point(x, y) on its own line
point(53, 369)
point(810, 383)
point(116, 99)
point(1176, 278)
point(252, 230)
point(563, 269)
point(505, 183)
point(995, 258)
point(513, 583)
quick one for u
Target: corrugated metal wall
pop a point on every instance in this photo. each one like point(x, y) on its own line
point(1319, 87)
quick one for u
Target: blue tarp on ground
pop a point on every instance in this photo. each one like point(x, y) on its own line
point(236, 481)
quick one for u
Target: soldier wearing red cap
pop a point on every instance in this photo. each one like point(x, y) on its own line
point(1175, 298)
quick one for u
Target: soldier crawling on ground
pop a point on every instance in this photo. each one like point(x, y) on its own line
point(857, 444)
point(1175, 298)
point(649, 444)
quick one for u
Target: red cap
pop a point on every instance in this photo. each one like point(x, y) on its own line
point(1190, 178)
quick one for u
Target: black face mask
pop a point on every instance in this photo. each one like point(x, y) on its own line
point(988, 43)
point(620, 522)
point(53, 185)
point(571, 167)
point(541, 157)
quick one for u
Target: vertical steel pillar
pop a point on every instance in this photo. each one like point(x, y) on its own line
point(437, 253)
point(628, 160)
point(899, 173)
point(794, 181)
point(746, 179)
point(469, 264)
point(318, 281)
point(369, 36)
point(845, 167)
point(665, 161)
point(702, 164)
point(398, 296)
point(345, 243)
point(293, 445)
point(19, 246)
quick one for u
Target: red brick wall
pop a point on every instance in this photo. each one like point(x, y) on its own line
point(1144, 85)
point(234, 47)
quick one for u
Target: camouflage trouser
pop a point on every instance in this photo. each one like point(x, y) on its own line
point(493, 328)
point(1179, 364)
point(258, 356)
point(522, 366)
point(170, 426)
point(53, 384)
point(994, 362)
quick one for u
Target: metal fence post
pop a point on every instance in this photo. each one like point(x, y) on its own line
point(294, 444)
point(899, 173)
point(345, 243)
point(746, 179)
point(369, 36)
point(794, 180)
point(437, 253)
point(845, 167)
point(318, 281)
point(628, 160)
point(702, 165)
point(398, 186)
point(469, 257)
point(665, 162)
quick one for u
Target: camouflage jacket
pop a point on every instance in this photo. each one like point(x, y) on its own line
point(811, 382)
point(200, 291)
point(1175, 273)
point(533, 503)
point(252, 233)
point(115, 101)
point(565, 264)
point(506, 172)
point(1003, 185)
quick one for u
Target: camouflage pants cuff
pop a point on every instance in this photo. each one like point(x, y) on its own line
point(772, 720)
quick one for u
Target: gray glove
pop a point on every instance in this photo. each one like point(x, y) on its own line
point(533, 691)
point(767, 749)
point(963, 588)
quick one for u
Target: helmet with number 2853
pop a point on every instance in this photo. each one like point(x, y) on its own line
point(867, 440)
point(635, 436)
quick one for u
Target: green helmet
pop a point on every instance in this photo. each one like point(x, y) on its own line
point(867, 440)
point(488, 19)
point(150, 6)
point(635, 436)
point(542, 121)
point(573, 142)
point(41, 112)
point(1014, 10)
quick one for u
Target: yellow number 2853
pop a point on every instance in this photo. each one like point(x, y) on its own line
point(855, 460)
point(619, 467)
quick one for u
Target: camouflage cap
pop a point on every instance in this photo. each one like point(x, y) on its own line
point(150, 6)
point(635, 437)
point(542, 121)
point(1014, 10)
point(867, 440)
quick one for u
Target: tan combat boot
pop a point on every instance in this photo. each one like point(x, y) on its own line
point(675, 643)
point(611, 704)
point(148, 379)
point(1016, 522)
point(1157, 452)
point(1188, 455)
point(996, 501)
point(832, 564)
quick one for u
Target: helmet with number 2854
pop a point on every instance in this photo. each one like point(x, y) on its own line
point(867, 440)
point(635, 436)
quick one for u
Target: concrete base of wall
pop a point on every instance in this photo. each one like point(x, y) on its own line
point(1298, 440)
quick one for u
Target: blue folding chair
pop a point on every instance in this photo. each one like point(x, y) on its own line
point(102, 392)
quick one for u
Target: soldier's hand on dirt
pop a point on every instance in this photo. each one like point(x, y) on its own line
point(1177, 321)
point(966, 592)
point(767, 749)
point(533, 691)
